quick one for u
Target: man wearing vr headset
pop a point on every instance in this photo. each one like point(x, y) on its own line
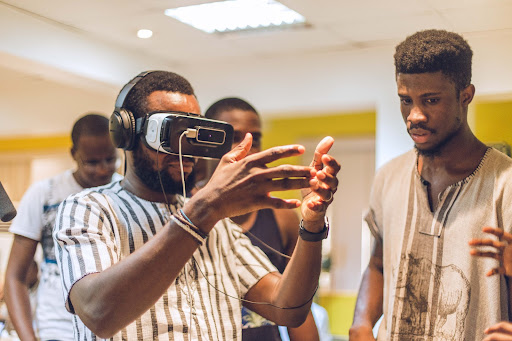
point(141, 263)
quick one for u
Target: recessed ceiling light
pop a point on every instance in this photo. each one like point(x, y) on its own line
point(144, 34)
point(236, 15)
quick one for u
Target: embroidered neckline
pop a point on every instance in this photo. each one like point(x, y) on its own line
point(467, 178)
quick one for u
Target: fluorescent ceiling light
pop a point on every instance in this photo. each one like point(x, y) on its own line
point(236, 15)
point(144, 34)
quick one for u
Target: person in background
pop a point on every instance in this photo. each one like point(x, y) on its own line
point(32, 281)
point(427, 204)
point(500, 250)
point(270, 229)
point(141, 262)
point(96, 159)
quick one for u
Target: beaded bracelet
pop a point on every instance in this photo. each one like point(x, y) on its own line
point(187, 221)
point(189, 229)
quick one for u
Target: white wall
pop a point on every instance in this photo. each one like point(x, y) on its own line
point(303, 85)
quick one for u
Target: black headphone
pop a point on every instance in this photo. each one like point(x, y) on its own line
point(123, 127)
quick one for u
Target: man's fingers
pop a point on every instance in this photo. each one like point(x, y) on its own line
point(284, 171)
point(331, 166)
point(487, 254)
point(500, 233)
point(322, 148)
point(276, 153)
point(488, 242)
point(501, 327)
point(240, 151)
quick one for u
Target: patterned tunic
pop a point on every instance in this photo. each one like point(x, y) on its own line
point(99, 228)
point(433, 288)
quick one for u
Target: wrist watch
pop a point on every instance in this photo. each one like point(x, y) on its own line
point(314, 237)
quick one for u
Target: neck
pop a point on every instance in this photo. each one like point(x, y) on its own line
point(134, 185)
point(245, 221)
point(460, 157)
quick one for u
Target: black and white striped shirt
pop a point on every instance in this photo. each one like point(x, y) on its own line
point(99, 227)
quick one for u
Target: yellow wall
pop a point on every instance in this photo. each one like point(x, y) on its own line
point(16, 144)
point(287, 130)
point(492, 121)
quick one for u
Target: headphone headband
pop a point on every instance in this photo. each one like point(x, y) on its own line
point(123, 127)
point(126, 89)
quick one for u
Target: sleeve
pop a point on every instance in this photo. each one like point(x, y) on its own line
point(29, 218)
point(252, 263)
point(374, 215)
point(84, 239)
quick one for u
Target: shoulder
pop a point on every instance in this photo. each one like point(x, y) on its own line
point(96, 194)
point(398, 167)
point(408, 158)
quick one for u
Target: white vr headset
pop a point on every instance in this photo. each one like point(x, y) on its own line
point(200, 137)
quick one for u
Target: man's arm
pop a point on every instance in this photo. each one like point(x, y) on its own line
point(291, 294)
point(369, 300)
point(16, 286)
point(109, 300)
point(288, 222)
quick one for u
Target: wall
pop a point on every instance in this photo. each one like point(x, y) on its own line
point(354, 134)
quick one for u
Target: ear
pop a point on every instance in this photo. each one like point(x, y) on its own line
point(73, 152)
point(467, 94)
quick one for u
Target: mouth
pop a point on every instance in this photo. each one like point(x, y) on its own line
point(188, 166)
point(420, 136)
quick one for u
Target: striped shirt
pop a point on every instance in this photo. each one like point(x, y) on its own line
point(98, 228)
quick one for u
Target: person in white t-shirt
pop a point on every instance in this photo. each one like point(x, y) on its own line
point(96, 159)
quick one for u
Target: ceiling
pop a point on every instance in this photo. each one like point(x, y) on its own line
point(334, 25)
point(93, 45)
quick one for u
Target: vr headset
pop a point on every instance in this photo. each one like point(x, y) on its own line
point(200, 137)
point(162, 131)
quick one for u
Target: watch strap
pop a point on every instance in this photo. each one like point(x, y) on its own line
point(311, 236)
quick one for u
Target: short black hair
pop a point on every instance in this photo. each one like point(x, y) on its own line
point(91, 124)
point(136, 100)
point(227, 104)
point(433, 51)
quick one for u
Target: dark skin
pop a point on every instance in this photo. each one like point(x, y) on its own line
point(435, 113)
point(244, 122)
point(95, 157)
point(108, 301)
point(499, 248)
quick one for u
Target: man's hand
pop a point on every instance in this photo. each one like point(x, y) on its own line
point(500, 331)
point(319, 195)
point(242, 183)
point(499, 249)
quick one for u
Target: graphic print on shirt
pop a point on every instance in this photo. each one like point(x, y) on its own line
point(431, 298)
point(451, 291)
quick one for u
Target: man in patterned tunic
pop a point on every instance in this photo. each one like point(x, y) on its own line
point(142, 263)
point(428, 203)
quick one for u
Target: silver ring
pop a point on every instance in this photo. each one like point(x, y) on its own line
point(330, 198)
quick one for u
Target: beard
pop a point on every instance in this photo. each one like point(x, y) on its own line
point(158, 181)
point(437, 149)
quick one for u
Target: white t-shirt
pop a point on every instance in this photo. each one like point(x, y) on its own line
point(35, 220)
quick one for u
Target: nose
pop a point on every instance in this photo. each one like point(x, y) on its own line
point(416, 115)
point(105, 167)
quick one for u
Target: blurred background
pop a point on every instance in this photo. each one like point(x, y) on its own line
point(332, 74)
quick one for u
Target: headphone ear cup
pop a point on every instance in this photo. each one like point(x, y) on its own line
point(122, 129)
